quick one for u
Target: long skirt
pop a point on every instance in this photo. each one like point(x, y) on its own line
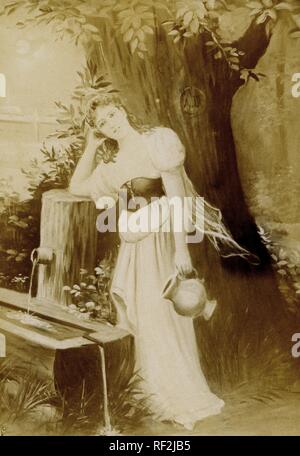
point(166, 352)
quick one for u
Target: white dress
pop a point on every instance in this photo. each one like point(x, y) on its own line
point(165, 344)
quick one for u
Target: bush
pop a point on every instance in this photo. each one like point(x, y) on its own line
point(20, 220)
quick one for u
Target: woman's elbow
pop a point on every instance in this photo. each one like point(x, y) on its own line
point(78, 190)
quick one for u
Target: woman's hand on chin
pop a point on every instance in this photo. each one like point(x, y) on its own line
point(92, 139)
point(183, 261)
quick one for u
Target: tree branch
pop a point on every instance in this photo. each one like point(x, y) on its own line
point(254, 43)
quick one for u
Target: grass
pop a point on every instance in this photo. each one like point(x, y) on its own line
point(22, 393)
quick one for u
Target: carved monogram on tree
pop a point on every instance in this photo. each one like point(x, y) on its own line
point(192, 101)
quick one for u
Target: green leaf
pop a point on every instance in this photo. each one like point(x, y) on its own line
point(181, 12)
point(97, 38)
point(46, 9)
point(282, 272)
point(133, 45)
point(136, 22)
point(284, 6)
point(262, 18)
point(126, 24)
point(272, 14)
point(141, 35)
point(148, 29)
point(141, 9)
point(253, 5)
point(187, 18)
point(173, 32)
point(295, 34)
point(11, 252)
point(128, 35)
point(194, 25)
point(188, 34)
point(21, 224)
point(148, 15)
point(91, 28)
point(253, 76)
point(142, 46)
point(126, 13)
point(282, 263)
point(102, 85)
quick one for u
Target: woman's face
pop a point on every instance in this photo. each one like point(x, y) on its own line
point(111, 121)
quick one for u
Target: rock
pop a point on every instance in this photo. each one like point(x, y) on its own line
point(11, 387)
point(45, 413)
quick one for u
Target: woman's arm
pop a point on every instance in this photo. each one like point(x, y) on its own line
point(174, 187)
point(79, 181)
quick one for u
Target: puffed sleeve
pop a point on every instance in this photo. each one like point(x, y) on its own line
point(100, 188)
point(168, 152)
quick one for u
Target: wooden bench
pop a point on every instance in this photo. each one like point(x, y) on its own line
point(64, 354)
point(72, 352)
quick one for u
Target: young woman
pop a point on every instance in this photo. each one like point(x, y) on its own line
point(150, 163)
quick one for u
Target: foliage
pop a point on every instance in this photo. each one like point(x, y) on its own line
point(19, 226)
point(129, 407)
point(8, 196)
point(22, 393)
point(137, 20)
point(62, 149)
point(66, 15)
point(137, 23)
point(276, 197)
point(20, 220)
point(286, 262)
point(91, 296)
point(26, 393)
point(59, 155)
point(276, 211)
point(263, 9)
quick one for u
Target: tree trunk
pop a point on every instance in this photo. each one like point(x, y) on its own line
point(251, 326)
point(68, 229)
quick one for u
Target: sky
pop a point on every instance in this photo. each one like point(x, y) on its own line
point(38, 69)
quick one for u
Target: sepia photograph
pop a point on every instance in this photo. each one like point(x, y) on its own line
point(149, 219)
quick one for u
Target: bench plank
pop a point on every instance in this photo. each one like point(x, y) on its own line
point(55, 313)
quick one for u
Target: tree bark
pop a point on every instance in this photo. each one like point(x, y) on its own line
point(68, 228)
point(252, 321)
point(251, 326)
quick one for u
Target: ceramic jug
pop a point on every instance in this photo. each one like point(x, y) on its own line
point(188, 296)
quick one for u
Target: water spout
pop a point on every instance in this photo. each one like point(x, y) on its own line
point(107, 423)
point(34, 264)
point(40, 255)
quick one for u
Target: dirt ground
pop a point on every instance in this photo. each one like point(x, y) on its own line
point(247, 418)
point(279, 417)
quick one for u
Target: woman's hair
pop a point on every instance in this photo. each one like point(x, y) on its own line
point(109, 148)
point(214, 227)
